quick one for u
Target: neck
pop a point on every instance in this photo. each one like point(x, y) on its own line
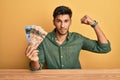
point(60, 38)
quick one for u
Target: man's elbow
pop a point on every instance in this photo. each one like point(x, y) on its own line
point(107, 50)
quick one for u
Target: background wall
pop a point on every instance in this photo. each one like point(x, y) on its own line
point(15, 14)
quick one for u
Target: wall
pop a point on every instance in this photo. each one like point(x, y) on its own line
point(15, 14)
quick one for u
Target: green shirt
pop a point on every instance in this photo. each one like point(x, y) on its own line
point(66, 55)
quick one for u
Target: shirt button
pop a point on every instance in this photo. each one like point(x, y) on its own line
point(62, 65)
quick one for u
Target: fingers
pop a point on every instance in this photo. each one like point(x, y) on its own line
point(30, 49)
point(27, 49)
point(33, 54)
point(84, 19)
point(87, 20)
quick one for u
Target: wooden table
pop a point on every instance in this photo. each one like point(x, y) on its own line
point(57, 74)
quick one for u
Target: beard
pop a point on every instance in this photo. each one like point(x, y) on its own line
point(62, 31)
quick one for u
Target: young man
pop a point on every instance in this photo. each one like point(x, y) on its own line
point(60, 49)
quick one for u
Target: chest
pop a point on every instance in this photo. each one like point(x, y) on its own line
point(68, 48)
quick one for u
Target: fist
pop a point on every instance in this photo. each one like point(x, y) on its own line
point(87, 20)
point(32, 53)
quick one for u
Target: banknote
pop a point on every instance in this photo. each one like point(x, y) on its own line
point(35, 34)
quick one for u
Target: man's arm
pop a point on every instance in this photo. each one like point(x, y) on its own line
point(100, 35)
point(32, 54)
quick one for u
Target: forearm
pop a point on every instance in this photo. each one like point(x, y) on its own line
point(35, 64)
point(100, 35)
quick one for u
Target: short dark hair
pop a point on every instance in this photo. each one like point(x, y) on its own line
point(61, 10)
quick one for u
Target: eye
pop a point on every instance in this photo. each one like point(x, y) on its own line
point(57, 20)
point(66, 21)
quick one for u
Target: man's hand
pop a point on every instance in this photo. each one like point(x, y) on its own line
point(87, 20)
point(32, 53)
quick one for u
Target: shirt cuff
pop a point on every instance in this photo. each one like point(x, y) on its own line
point(105, 46)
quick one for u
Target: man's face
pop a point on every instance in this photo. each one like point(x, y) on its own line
point(62, 23)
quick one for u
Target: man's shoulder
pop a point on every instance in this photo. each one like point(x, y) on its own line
point(49, 35)
point(75, 34)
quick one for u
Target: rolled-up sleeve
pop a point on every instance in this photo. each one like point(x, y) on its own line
point(95, 46)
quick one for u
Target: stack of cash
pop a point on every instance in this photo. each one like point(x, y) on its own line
point(35, 34)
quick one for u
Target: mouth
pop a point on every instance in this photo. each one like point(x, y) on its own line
point(62, 30)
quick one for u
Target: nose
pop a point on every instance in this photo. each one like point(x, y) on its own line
point(62, 25)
